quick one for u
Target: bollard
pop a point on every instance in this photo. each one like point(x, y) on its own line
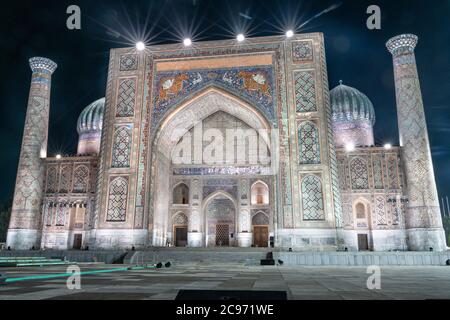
point(3, 278)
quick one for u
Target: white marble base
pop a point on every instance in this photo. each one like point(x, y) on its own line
point(379, 240)
point(195, 239)
point(245, 239)
point(23, 239)
point(307, 239)
point(424, 239)
point(389, 240)
point(119, 238)
point(347, 239)
point(55, 240)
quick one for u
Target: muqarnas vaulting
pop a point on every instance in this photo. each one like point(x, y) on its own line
point(332, 187)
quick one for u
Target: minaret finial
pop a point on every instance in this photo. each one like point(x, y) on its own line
point(341, 82)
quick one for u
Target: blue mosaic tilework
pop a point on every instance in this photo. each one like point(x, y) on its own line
point(252, 84)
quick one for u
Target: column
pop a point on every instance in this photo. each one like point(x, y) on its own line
point(423, 216)
point(25, 224)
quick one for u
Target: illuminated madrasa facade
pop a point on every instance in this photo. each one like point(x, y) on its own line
point(168, 157)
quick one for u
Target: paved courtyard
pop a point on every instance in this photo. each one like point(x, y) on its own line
point(299, 282)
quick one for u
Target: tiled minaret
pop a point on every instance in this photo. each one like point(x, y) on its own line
point(423, 216)
point(25, 224)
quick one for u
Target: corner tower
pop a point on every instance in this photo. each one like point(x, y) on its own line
point(24, 226)
point(423, 215)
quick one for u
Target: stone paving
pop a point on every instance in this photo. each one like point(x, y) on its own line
point(311, 283)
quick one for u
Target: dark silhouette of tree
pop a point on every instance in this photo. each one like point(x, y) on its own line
point(5, 213)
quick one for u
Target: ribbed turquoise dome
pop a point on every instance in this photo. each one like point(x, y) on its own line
point(91, 118)
point(350, 104)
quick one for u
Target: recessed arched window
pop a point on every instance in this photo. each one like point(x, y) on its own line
point(260, 193)
point(360, 211)
point(181, 194)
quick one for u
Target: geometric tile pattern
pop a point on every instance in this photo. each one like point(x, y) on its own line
point(60, 216)
point(359, 176)
point(305, 91)
point(80, 179)
point(396, 213)
point(380, 211)
point(309, 144)
point(377, 173)
point(121, 147)
point(128, 62)
point(126, 98)
point(180, 219)
point(302, 51)
point(392, 172)
point(117, 200)
point(312, 198)
point(52, 179)
point(65, 177)
point(342, 174)
point(48, 216)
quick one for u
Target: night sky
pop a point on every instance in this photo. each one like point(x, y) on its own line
point(354, 54)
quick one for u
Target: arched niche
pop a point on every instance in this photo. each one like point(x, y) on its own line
point(180, 194)
point(174, 126)
point(260, 193)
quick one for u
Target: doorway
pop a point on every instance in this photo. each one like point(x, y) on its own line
point(363, 242)
point(222, 235)
point(261, 236)
point(77, 241)
point(181, 236)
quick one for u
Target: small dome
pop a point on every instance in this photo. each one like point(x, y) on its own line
point(89, 127)
point(348, 103)
point(91, 118)
point(353, 117)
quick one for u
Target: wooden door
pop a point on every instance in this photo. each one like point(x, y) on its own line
point(77, 241)
point(222, 235)
point(180, 236)
point(363, 242)
point(261, 236)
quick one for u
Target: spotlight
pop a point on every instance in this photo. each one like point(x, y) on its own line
point(240, 37)
point(388, 146)
point(187, 42)
point(289, 34)
point(58, 156)
point(140, 46)
point(349, 147)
